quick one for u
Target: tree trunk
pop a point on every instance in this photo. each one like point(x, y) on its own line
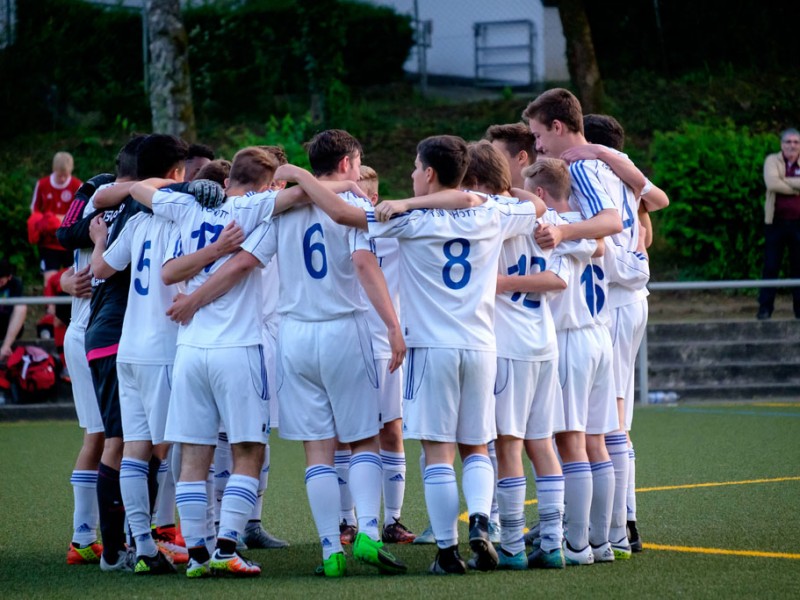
point(581, 58)
point(170, 86)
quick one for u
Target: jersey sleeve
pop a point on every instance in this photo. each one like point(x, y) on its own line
point(358, 239)
point(398, 226)
point(172, 205)
point(118, 254)
point(561, 266)
point(262, 242)
point(587, 190)
point(625, 268)
point(516, 218)
point(174, 248)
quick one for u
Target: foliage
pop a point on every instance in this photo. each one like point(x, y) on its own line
point(713, 175)
point(288, 133)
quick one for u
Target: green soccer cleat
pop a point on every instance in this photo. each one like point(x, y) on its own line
point(333, 566)
point(621, 549)
point(154, 565)
point(197, 570)
point(234, 565)
point(373, 553)
point(542, 559)
point(512, 562)
point(426, 537)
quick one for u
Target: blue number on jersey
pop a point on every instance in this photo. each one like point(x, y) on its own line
point(144, 263)
point(309, 249)
point(200, 234)
point(627, 223)
point(520, 268)
point(595, 297)
point(459, 259)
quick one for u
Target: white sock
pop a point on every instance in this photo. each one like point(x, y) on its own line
point(85, 514)
point(365, 487)
point(165, 499)
point(441, 498)
point(477, 482)
point(617, 446)
point(258, 509)
point(631, 503)
point(494, 513)
point(135, 497)
point(511, 502)
point(237, 505)
point(602, 502)
point(577, 503)
point(394, 485)
point(347, 509)
point(192, 501)
point(223, 463)
point(211, 512)
point(550, 493)
point(322, 487)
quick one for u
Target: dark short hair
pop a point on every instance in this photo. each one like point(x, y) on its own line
point(487, 167)
point(556, 104)
point(278, 152)
point(516, 136)
point(252, 166)
point(447, 155)
point(200, 151)
point(605, 130)
point(127, 158)
point(217, 170)
point(328, 148)
point(159, 153)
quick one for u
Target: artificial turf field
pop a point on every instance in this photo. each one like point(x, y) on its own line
point(718, 508)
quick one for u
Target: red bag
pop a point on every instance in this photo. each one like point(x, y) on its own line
point(32, 369)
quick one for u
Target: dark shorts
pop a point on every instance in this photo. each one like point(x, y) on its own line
point(53, 260)
point(106, 388)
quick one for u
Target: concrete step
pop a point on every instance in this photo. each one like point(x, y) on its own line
point(706, 353)
point(677, 376)
point(725, 331)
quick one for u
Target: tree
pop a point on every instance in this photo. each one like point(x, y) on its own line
point(581, 57)
point(170, 86)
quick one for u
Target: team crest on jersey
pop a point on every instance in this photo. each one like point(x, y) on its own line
point(66, 196)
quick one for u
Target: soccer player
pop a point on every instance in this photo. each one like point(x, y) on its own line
point(448, 278)
point(518, 146)
point(393, 456)
point(199, 156)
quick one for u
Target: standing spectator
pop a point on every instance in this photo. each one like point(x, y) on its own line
point(51, 199)
point(782, 218)
point(199, 156)
point(12, 316)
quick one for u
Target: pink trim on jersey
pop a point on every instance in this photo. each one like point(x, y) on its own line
point(102, 352)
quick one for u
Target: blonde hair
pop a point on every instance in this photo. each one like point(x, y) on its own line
point(551, 174)
point(253, 166)
point(368, 180)
point(62, 161)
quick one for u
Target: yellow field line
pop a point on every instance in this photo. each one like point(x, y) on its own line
point(778, 404)
point(698, 550)
point(714, 484)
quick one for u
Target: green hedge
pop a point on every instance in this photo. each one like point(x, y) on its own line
point(713, 175)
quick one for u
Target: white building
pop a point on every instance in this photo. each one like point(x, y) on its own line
point(502, 42)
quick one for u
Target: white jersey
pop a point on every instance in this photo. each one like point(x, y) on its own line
point(448, 270)
point(270, 286)
point(387, 251)
point(81, 307)
point(576, 306)
point(233, 319)
point(594, 187)
point(148, 335)
point(318, 281)
point(523, 323)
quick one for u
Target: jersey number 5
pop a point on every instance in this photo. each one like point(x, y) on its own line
point(141, 283)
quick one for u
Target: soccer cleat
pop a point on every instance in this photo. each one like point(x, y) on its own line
point(84, 555)
point(258, 537)
point(166, 538)
point(511, 562)
point(484, 555)
point(603, 553)
point(347, 533)
point(234, 564)
point(633, 537)
point(621, 549)
point(533, 537)
point(542, 559)
point(154, 565)
point(577, 557)
point(397, 533)
point(373, 553)
point(494, 532)
point(170, 533)
point(197, 570)
point(333, 566)
point(448, 562)
point(125, 561)
point(426, 537)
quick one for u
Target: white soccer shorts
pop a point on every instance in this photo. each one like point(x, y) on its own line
point(586, 375)
point(269, 343)
point(327, 384)
point(390, 391)
point(628, 324)
point(528, 399)
point(144, 392)
point(449, 396)
point(219, 385)
point(82, 387)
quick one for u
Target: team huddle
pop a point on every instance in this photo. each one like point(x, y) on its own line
point(498, 310)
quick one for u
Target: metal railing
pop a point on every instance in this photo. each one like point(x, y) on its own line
point(644, 385)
